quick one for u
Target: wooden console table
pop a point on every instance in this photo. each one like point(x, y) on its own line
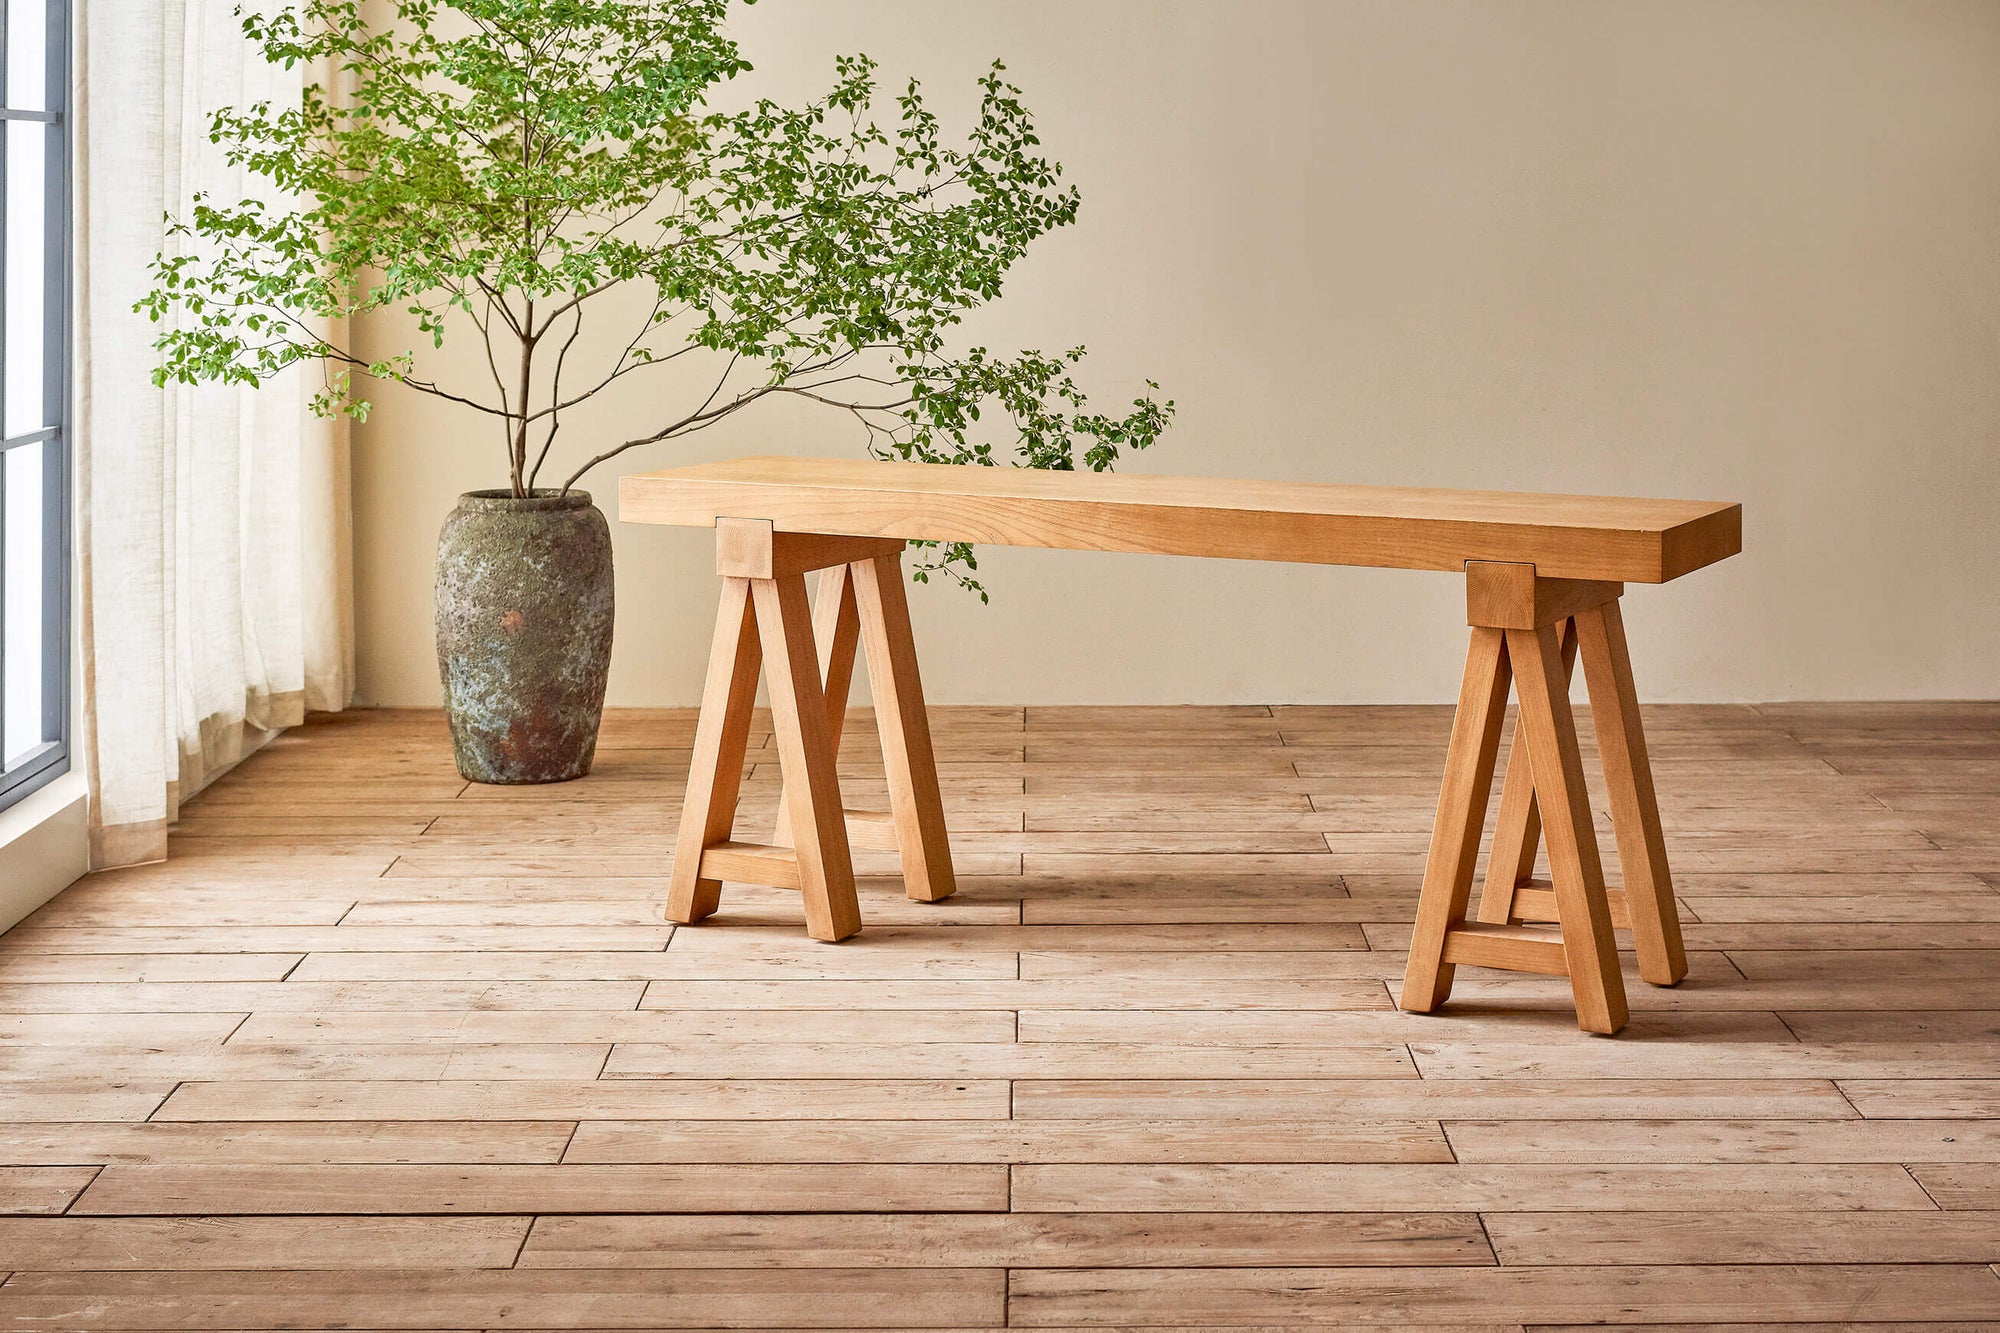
point(1543, 575)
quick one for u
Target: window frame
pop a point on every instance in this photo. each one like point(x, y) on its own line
point(51, 758)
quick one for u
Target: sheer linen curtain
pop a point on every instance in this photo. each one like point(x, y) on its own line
point(217, 602)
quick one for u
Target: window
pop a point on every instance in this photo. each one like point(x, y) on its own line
point(34, 394)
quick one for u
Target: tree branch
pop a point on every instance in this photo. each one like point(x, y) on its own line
point(555, 391)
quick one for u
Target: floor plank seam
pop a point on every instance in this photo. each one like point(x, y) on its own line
point(1841, 1090)
point(521, 1249)
point(77, 1198)
point(1486, 1233)
point(162, 1103)
point(1919, 1182)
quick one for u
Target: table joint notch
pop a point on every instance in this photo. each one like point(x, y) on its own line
point(753, 548)
point(1507, 595)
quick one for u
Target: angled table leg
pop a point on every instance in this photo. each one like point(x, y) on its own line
point(805, 749)
point(1635, 811)
point(1517, 834)
point(708, 813)
point(1588, 944)
point(905, 727)
point(1461, 816)
point(837, 631)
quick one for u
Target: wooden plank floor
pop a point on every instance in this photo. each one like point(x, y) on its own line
point(377, 1049)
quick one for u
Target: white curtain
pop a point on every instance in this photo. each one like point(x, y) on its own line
point(217, 604)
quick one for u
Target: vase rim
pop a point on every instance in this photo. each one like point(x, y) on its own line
point(542, 498)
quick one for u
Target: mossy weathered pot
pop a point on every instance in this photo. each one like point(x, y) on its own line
point(524, 633)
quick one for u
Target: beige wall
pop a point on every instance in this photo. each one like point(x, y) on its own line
point(1744, 250)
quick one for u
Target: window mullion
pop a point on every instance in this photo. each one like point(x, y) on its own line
point(40, 738)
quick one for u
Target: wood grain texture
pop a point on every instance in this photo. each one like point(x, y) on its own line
point(420, 1103)
point(1517, 834)
point(995, 1060)
point(805, 746)
point(1563, 536)
point(462, 1299)
point(1515, 949)
point(1297, 1297)
point(709, 811)
point(1709, 1237)
point(1628, 776)
point(749, 548)
point(837, 636)
point(41, 1189)
point(632, 1099)
point(1435, 1099)
point(1010, 1240)
point(1540, 1187)
point(1461, 816)
point(1008, 1141)
point(108, 1244)
point(1972, 1188)
point(169, 1144)
point(1903, 1141)
point(911, 768)
point(380, 1189)
point(1568, 828)
point(1517, 596)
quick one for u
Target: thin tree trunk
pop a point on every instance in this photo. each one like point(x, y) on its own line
point(519, 450)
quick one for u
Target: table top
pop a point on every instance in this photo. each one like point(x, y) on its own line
point(1620, 538)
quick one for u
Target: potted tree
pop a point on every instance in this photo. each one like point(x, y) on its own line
point(551, 179)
